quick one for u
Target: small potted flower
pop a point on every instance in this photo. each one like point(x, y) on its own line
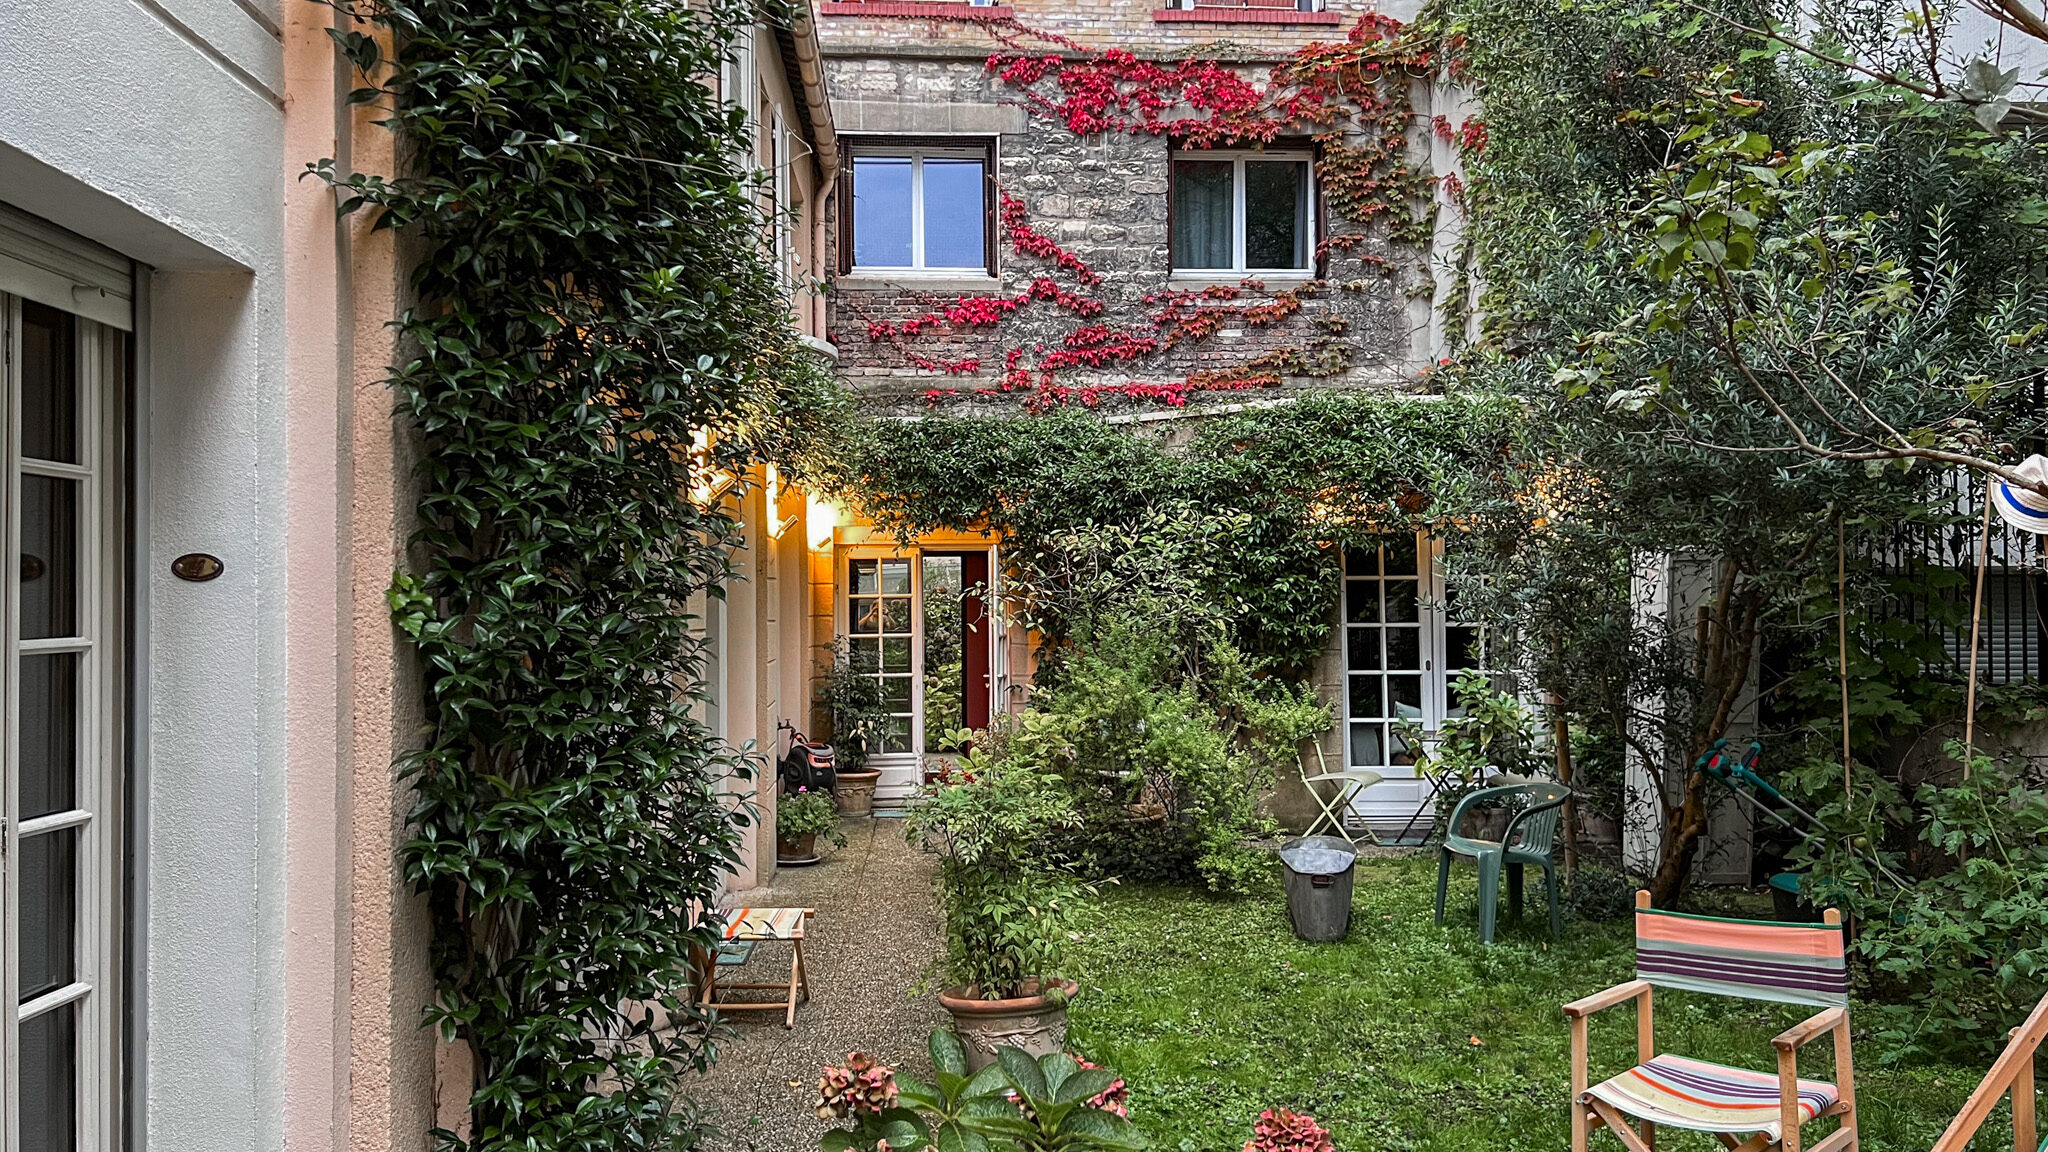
point(799, 820)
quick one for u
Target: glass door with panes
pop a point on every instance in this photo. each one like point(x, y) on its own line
point(58, 810)
point(920, 625)
point(1404, 645)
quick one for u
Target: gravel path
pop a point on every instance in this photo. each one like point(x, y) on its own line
point(875, 933)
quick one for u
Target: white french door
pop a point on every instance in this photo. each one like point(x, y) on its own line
point(921, 623)
point(59, 831)
point(1404, 644)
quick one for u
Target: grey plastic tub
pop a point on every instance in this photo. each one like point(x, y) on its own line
point(1319, 872)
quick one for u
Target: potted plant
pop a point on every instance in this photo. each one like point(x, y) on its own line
point(1018, 1101)
point(852, 696)
point(799, 820)
point(1009, 902)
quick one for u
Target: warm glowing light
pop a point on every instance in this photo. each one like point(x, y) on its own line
point(821, 516)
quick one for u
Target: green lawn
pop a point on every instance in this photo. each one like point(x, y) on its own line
point(1406, 1035)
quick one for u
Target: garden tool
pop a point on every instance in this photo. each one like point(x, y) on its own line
point(1739, 775)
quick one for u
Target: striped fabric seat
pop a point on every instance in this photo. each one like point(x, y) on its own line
point(1682, 1093)
point(765, 923)
point(1756, 960)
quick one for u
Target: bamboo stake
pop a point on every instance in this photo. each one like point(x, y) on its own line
point(1976, 623)
point(1842, 643)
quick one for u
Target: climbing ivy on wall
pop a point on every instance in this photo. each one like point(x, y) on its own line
point(1301, 478)
point(592, 313)
point(1351, 97)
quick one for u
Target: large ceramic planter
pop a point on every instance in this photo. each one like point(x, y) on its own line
point(1035, 1023)
point(796, 852)
point(856, 792)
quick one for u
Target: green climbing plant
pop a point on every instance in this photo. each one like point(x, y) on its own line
point(596, 335)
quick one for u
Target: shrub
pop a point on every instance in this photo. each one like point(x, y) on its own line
point(808, 813)
point(1009, 900)
point(853, 705)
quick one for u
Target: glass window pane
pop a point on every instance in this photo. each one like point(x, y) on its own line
point(1201, 214)
point(896, 693)
point(1404, 648)
point(896, 654)
point(897, 736)
point(49, 1080)
point(1399, 752)
point(1361, 561)
point(1362, 649)
point(863, 655)
point(881, 211)
point(863, 580)
point(49, 557)
point(1462, 642)
point(1362, 601)
point(1400, 553)
point(49, 733)
point(49, 384)
point(1365, 698)
point(863, 615)
point(1401, 606)
point(1406, 692)
point(1365, 746)
point(49, 898)
point(1275, 214)
point(896, 614)
point(955, 222)
point(896, 577)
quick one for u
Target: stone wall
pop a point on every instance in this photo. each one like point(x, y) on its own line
point(1104, 199)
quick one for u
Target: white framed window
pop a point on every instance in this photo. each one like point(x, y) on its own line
point(921, 208)
point(59, 808)
point(1243, 213)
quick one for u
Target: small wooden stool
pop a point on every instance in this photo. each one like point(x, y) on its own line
point(763, 924)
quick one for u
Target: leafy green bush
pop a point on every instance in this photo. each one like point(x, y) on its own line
point(1050, 1103)
point(1496, 734)
point(808, 813)
point(1009, 901)
point(852, 696)
point(1961, 953)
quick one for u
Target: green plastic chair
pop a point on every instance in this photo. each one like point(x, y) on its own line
point(1531, 838)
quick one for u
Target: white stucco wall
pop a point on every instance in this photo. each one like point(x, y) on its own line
point(155, 127)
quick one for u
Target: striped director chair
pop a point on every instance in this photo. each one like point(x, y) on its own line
point(1755, 960)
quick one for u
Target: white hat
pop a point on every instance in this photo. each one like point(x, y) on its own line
point(2024, 508)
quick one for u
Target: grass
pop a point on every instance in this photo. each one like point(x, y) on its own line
point(1410, 1036)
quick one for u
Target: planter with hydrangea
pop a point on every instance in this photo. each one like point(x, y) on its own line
point(801, 820)
point(1017, 1103)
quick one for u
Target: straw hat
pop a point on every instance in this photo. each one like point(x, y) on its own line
point(2024, 508)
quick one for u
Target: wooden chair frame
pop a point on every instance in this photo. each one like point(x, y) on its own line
point(799, 982)
point(1588, 1115)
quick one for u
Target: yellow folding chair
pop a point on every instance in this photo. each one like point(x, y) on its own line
point(1349, 784)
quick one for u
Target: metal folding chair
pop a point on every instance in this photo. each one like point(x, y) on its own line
point(1349, 784)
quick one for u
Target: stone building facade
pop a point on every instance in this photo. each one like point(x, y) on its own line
point(1080, 294)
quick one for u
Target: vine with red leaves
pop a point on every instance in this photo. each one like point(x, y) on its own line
point(1350, 97)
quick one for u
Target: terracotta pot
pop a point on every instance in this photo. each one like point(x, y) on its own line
point(856, 792)
point(803, 848)
point(1034, 1023)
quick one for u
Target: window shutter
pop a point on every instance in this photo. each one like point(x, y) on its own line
point(992, 203)
point(842, 195)
point(1321, 206)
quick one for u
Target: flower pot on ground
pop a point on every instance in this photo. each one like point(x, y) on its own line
point(1035, 1021)
point(857, 792)
point(801, 818)
point(1009, 902)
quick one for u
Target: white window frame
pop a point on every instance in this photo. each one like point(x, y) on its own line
point(917, 154)
point(96, 812)
point(1237, 160)
point(1434, 617)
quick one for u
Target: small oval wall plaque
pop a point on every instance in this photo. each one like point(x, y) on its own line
point(197, 567)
